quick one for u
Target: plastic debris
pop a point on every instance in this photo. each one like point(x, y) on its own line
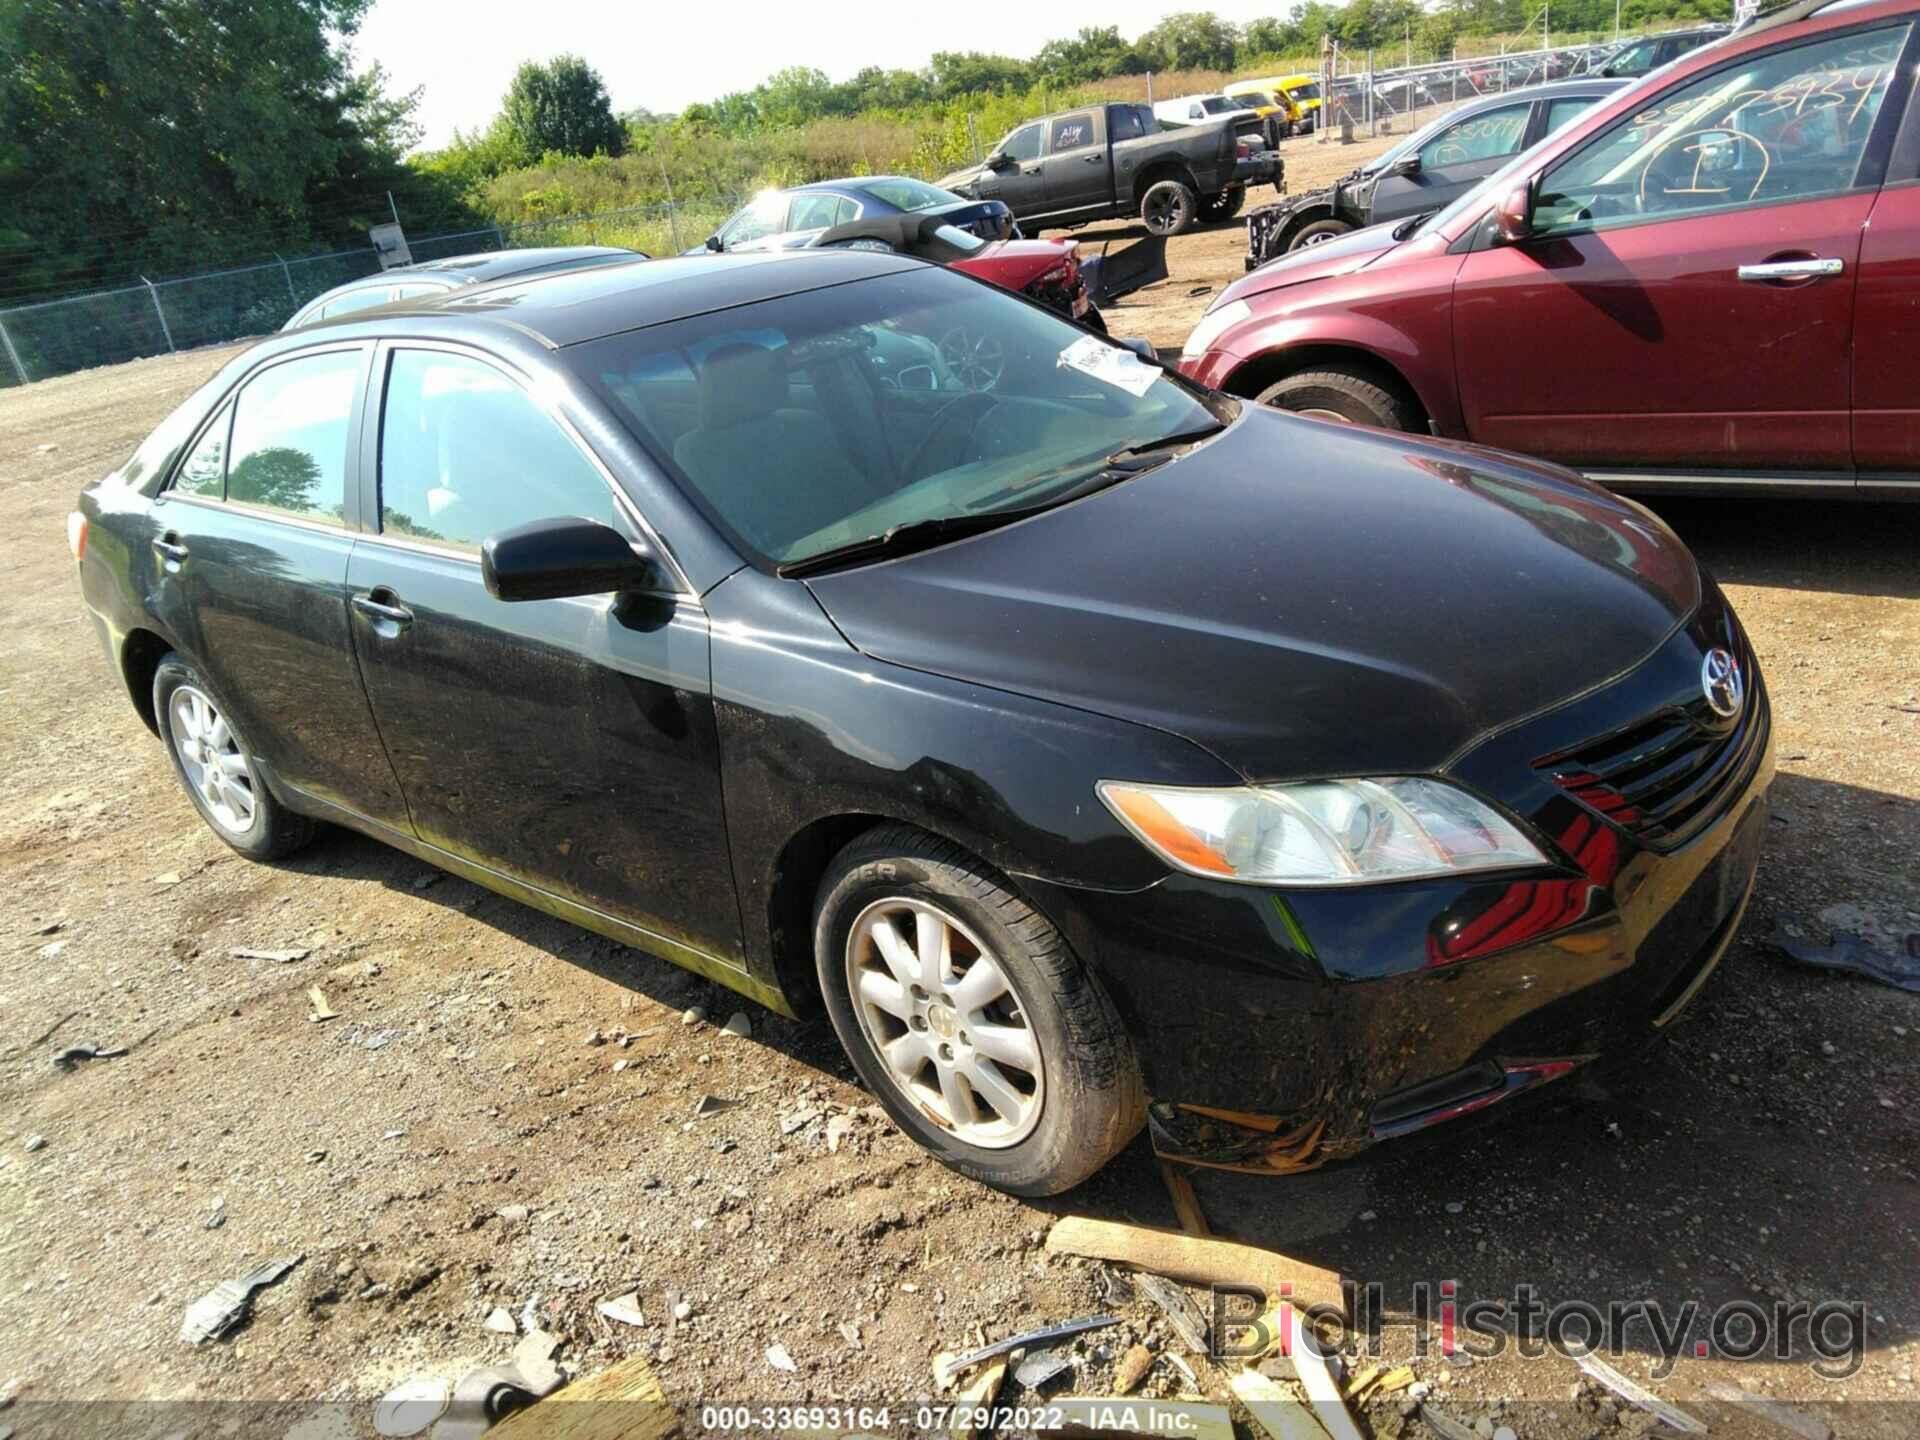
point(278, 957)
point(1031, 1340)
point(713, 1104)
point(223, 1308)
point(70, 1057)
point(35, 1142)
point(737, 1025)
point(1854, 955)
point(321, 1010)
point(779, 1359)
point(1041, 1368)
point(533, 1359)
point(623, 1308)
point(411, 1406)
point(1671, 1416)
point(500, 1321)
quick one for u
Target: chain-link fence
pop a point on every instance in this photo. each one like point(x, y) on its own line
point(1364, 100)
point(106, 327)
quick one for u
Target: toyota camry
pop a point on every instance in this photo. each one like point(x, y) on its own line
point(1095, 751)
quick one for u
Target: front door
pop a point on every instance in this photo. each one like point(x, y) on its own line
point(1686, 302)
point(256, 530)
point(569, 744)
point(1020, 182)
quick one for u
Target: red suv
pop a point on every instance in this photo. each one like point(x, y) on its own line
point(1710, 280)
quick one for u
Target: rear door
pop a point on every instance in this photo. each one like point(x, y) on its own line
point(256, 529)
point(568, 744)
point(1459, 157)
point(1076, 162)
point(1686, 303)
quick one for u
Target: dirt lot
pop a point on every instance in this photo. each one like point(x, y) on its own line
point(1765, 1151)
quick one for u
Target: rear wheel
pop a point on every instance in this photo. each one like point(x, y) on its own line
point(1223, 206)
point(1342, 394)
point(216, 768)
point(1318, 233)
point(1168, 208)
point(969, 1017)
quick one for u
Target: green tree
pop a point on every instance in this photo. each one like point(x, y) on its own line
point(561, 108)
point(1094, 54)
point(972, 73)
point(1189, 40)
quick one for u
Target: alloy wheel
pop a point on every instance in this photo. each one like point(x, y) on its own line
point(212, 760)
point(976, 361)
point(945, 1021)
point(1317, 413)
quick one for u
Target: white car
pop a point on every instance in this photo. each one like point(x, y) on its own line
point(1190, 109)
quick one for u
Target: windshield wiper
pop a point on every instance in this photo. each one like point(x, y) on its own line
point(901, 540)
point(1168, 442)
point(1412, 223)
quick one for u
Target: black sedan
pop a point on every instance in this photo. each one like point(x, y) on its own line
point(797, 219)
point(438, 277)
point(1095, 751)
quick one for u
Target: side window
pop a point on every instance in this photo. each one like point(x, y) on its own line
point(355, 300)
point(1022, 144)
point(407, 292)
point(1483, 137)
point(1784, 124)
point(1123, 123)
point(465, 453)
point(1560, 112)
point(1070, 132)
point(204, 472)
point(765, 216)
point(289, 448)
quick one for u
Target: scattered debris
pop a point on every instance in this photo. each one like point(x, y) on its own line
point(1853, 954)
point(1445, 1426)
point(1033, 1339)
point(278, 957)
point(623, 1308)
point(1186, 1204)
point(713, 1104)
point(500, 1321)
point(533, 1358)
point(737, 1025)
point(1671, 1416)
point(1199, 290)
point(850, 1332)
point(321, 1010)
point(1378, 1378)
point(839, 1127)
point(779, 1359)
point(1132, 1369)
point(376, 1039)
point(217, 1216)
point(70, 1057)
point(51, 951)
point(973, 1404)
point(794, 1121)
point(530, 1314)
point(692, 1015)
point(1272, 1408)
point(223, 1308)
point(1198, 1261)
point(514, 1214)
point(36, 1142)
point(47, 929)
point(1187, 1319)
point(1301, 1346)
point(682, 1310)
point(172, 877)
point(1042, 1367)
point(1115, 1287)
point(1798, 1422)
point(411, 1406)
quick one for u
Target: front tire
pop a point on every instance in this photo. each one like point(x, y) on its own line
point(1168, 208)
point(1337, 393)
point(1318, 233)
point(969, 1018)
point(215, 767)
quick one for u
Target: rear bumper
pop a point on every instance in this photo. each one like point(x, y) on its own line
point(1265, 168)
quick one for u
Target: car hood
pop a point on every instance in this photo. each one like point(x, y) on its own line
point(1350, 252)
point(1300, 598)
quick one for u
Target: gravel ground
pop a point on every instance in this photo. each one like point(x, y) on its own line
point(503, 1113)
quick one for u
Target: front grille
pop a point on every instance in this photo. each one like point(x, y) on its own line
point(1665, 779)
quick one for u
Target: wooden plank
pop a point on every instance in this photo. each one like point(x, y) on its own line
point(1272, 1409)
point(1186, 1204)
point(1197, 1260)
point(622, 1402)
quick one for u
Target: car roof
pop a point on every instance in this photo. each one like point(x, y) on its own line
point(855, 182)
point(486, 265)
point(571, 306)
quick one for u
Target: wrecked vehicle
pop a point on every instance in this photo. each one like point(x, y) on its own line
point(1049, 271)
point(1111, 161)
point(1077, 805)
point(797, 218)
point(1429, 169)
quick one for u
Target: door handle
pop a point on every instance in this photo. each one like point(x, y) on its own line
point(1808, 269)
point(1034, 171)
point(1093, 159)
point(170, 548)
point(380, 610)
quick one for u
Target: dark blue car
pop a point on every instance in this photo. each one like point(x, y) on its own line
point(795, 219)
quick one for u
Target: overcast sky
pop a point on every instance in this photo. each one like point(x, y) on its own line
point(665, 53)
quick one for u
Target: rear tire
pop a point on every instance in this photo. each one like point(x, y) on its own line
point(1059, 1062)
point(214, 765)
point(1168, 208)
point(1338, 393)
point(1223, 206)
point(1318, 233)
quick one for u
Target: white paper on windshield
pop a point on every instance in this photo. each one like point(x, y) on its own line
point(1110, 364)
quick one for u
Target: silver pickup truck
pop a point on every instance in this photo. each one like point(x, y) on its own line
point(1103, 162)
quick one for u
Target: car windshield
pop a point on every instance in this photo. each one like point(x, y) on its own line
point(910, 194)
point(1255, 99)
point(814, 421)
point(1221, 105)
point(1309, 91)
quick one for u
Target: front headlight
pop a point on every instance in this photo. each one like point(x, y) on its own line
point(1323, 832)
point(1215, 323)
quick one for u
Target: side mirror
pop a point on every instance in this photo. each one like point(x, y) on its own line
point(1143, 348)
point(1514, 215)
point(1407, 165)
point(552, 559)
point(997, 161)
point(713, 243)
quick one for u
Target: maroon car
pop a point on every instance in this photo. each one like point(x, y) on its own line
point(1706, 282)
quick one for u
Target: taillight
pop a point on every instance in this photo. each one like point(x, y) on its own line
point(77, 535)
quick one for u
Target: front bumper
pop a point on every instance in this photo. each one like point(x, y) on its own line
point(1279, 1030)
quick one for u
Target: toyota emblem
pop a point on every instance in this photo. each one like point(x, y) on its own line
point(1720, 681)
